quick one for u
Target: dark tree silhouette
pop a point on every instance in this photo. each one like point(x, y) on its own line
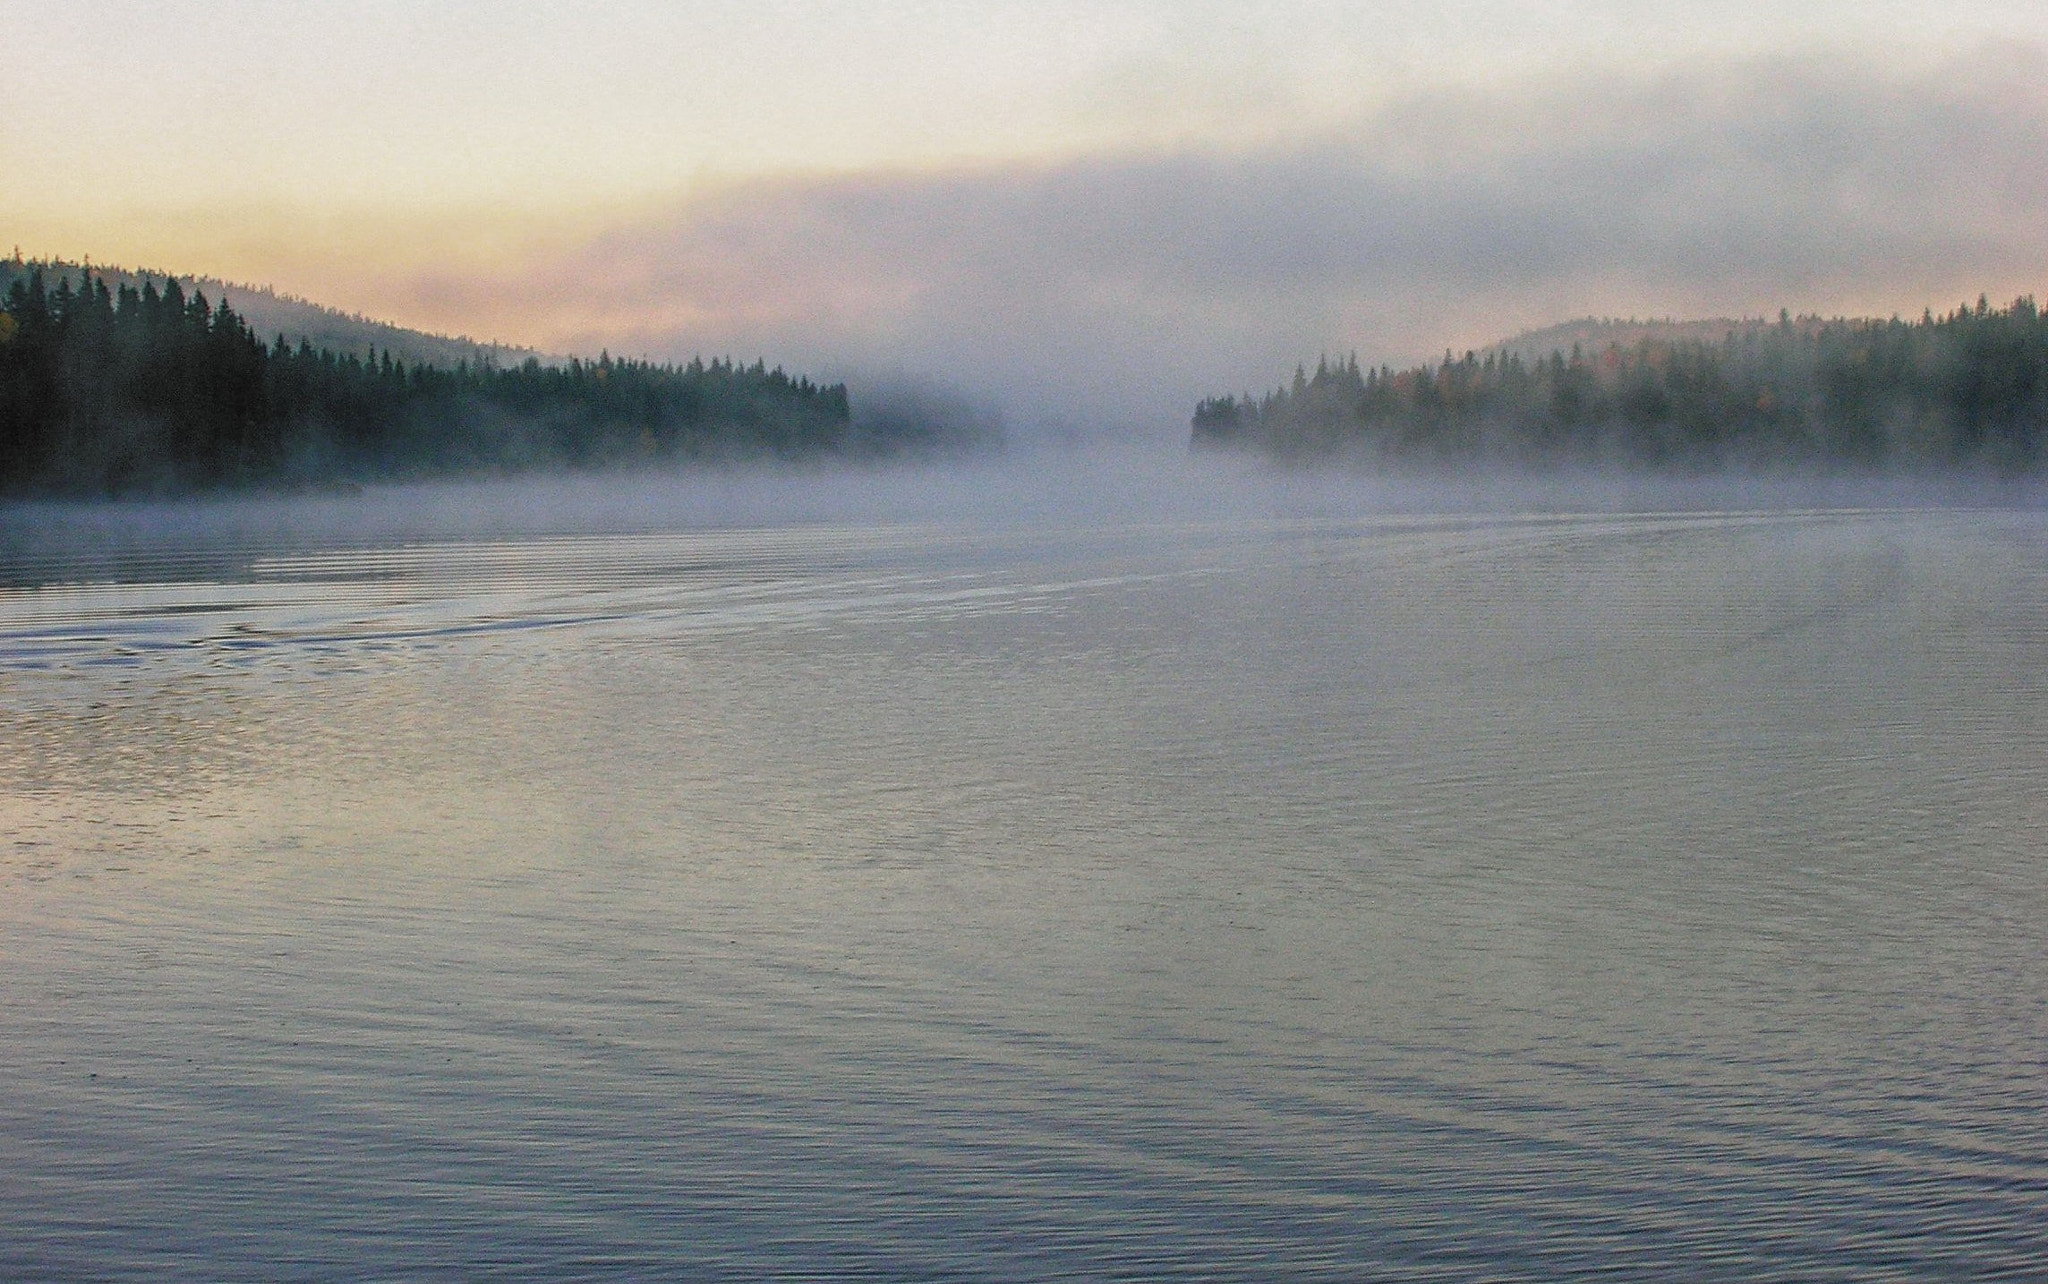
point(151, 389)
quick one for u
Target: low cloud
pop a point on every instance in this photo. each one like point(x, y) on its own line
point(1114, 289)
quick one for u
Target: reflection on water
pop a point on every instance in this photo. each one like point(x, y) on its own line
point(1431, 897)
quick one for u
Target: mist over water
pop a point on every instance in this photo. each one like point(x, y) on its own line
point(1034, 482)
point(1067, 865)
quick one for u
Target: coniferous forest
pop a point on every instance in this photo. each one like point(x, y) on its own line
point(1968, 389)
point(146, 389)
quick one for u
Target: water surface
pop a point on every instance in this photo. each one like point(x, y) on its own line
point(1423, 895)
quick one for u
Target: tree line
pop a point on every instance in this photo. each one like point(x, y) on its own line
point(150, 389)
point(1969, 388)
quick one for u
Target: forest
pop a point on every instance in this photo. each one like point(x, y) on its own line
point(1965, 389)
point(127, 390)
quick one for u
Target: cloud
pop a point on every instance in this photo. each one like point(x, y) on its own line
point(1119, 287)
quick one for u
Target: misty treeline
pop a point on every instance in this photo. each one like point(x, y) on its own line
point(146, 389)
point(1969, 388)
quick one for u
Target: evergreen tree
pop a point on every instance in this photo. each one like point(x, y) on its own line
point(150, 389)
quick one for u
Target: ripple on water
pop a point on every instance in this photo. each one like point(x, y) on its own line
point(1437, 898)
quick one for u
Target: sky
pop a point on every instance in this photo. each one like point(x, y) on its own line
point(1085, 215)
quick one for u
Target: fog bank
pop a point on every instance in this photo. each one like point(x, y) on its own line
point(1107, 292)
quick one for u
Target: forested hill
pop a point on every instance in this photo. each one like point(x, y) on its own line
point(1969, 388)
point(110, 388)
point(270, 314)
point(1597, 334)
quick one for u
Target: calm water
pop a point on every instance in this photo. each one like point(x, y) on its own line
point(1241, 894)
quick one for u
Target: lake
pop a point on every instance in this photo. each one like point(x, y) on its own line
point(1222, 876)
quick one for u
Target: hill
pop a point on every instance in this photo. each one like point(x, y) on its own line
point(1969, 388)
point(110, 387)
point(1597, 334)
point(269, 314)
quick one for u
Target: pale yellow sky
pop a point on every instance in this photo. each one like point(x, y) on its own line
point(220, 128)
